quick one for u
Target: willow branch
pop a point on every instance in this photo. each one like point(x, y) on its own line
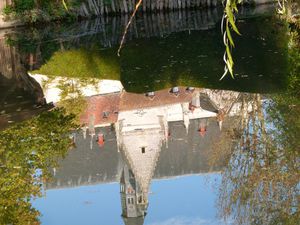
point(128, 24)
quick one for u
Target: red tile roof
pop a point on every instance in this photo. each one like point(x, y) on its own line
point(97, 105)
point(131, 101)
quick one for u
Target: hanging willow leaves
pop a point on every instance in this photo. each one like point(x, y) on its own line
point(229, 36)
point(65, 5)
point(229, 21)
point(229, 10)
point(281, 7)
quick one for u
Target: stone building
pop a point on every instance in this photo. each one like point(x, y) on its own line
point(133, 201)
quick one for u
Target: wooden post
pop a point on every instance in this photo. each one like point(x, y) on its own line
point(208, 3)
point(179, 4)
point(125, 6)
point(161, 5)
point(144, 5)
point(101, 7)
point(113, 7)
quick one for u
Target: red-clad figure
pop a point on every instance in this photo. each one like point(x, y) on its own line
point(100, 140)
point(202, 131)
point(202, 127)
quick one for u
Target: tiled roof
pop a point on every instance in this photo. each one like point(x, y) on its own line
point(131, 101)
point(104, 109)
point(82, 167)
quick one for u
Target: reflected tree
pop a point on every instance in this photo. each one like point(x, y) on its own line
point(27, 151)
point(72, 99)
point(261, 182)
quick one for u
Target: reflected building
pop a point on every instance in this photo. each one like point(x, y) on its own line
point(156, 135)
point(146, 128)
point(142, 131)
point(134, 202)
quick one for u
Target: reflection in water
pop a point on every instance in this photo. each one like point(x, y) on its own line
point(145, 127)
point(260, 184)
point(219, 130)
point(28, 150)
point(133, 200)
point(142, 129)
point(132, 138)
point(168, 131)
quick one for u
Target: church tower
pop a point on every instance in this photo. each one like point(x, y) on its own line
point(134, 203)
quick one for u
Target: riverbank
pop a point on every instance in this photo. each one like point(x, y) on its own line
point(92, 8)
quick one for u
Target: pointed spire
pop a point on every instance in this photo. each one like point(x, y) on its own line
point(220, 124)
point(220, 118)
point(186, 121)
point(84, 129)
point(142, 149)
point(196, 100)
point(133, 207)
point(185, 115)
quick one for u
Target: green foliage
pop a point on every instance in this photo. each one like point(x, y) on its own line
point(27, 151)
point(23, 5)
point(8, 10)
point(229, 22)
point(83, 63)
point(32, 11)
point(260, 184)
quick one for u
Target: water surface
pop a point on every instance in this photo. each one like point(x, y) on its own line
point(153, 136)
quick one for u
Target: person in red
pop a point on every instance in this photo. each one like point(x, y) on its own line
point(202, 127)
point(100, 140)
point(202, 131)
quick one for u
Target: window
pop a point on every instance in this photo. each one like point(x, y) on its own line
point(105, 115)
point(140, 199)
point(150, 94)
point(175, 90)
point(190, 89)
point(130, 200)
point(143, 150)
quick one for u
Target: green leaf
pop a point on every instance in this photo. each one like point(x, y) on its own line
point(229, 55)
point(230, 17)
point(65, 5)
point(229, 35)
point(229, 66)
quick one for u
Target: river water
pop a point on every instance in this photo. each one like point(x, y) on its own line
point(153, 136)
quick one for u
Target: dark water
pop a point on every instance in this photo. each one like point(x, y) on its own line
point(152, 136)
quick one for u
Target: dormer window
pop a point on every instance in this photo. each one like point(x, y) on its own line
point(190, 89)
point(175, 90)
point(150, 94)
point(105, 115)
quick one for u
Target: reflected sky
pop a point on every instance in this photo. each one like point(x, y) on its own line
point(179, 201)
